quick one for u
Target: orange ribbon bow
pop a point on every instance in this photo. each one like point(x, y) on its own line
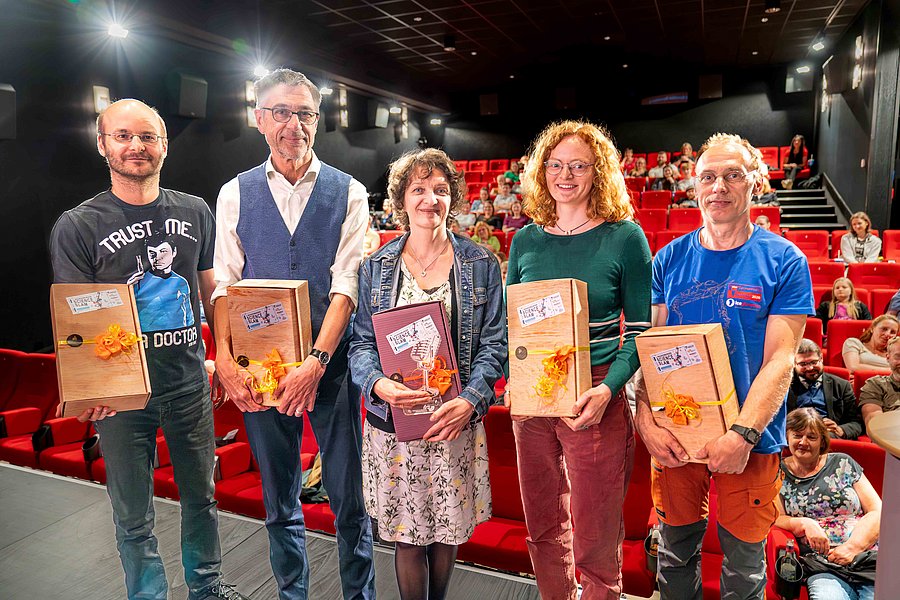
point(556, 370)
point(273, 371)
point(681, 408)
point(113, 341)
point(439, 377)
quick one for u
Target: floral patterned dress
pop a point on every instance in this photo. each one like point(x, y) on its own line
point(424, 492)
point(827, 497)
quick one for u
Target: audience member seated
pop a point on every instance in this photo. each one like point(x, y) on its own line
point(512, 176)
point(870, 349)
point(827, 502)
point(488, 216)
point(627, 162)
point(881, 393)
point(767, 196)
point(465, 218)
point(794, 162)
point(483, 198)
point(666, 181)
point(763, 222)
point(843, 304)
point(498, 185)
point(859, 245)
point(640, 168)
point(689, 200)
point(484, 236)
point(516, 219)
point(893, 307)
point(372, 241)
point(829, 395)
point(687, 180)
point(687, 155)
point(504, 199)
point(455, 228)
point(661, 163)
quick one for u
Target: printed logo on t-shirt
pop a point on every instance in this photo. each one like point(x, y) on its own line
point(748, 297)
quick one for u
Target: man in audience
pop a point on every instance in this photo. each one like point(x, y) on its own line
point(504, 198)
point(689, 200)
point(763, 222)
point(758, 287)
point(881, 393)
point(831, 396)
point(662, 161)
point(687, 180)
point(295, 217)
point(87, 246)
point(893, 307)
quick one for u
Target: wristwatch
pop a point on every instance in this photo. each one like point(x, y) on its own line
point(750, 435)
point(323, 356)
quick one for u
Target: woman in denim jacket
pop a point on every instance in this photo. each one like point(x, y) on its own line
point(428, 495)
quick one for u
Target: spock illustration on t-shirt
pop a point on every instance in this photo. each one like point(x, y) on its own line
point(163, 296)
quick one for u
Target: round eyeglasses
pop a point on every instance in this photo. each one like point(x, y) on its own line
point(283, 115)
point(576, 168)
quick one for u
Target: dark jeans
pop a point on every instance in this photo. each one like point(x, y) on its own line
point(129, 446)
point(275, 439)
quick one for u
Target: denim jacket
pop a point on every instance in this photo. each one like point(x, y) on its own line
point(482, 348)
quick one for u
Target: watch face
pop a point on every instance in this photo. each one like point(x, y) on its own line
point(322, 356)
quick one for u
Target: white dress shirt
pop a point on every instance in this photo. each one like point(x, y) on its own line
point(291, 200)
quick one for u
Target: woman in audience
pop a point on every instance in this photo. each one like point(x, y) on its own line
point(428, 495)
point(485, 237)
point(516, 219)
point(504, 198)
point(667, 181)
point(488, 216)
point(483, 198)
point(640, 167)
point(869, 350)
point(860, 245)
point(575, 470)
point(627, 162)
point(766, 196)
point(687, 154)
point(827, 502)
point(794, 161)
point(843, 304)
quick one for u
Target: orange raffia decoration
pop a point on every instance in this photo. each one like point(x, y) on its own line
point(681, 408)
point(113, 341)
point(556, 370)
point(440, 377)
point(273, 370)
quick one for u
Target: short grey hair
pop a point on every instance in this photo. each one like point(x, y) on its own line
point(287, 77)
point(807, 346)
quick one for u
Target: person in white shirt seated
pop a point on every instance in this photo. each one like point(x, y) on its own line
point(662, 161)
point(504, 198)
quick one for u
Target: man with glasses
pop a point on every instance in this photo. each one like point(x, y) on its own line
point(295, 217)
point(831, 396)
point(106, 240)
point(758, 287)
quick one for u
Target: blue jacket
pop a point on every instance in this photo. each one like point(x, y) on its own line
point(482, 349)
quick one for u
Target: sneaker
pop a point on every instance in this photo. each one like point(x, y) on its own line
point(221, 590)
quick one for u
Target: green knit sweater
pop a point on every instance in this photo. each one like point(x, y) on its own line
point(614, 260)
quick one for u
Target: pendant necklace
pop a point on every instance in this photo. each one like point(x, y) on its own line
point(434, 260)
point(573, 230)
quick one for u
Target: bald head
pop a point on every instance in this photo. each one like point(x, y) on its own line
point(132, 108)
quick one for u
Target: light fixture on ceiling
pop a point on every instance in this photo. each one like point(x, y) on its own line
point(772, 6)
point(260, 71)
point(606, 37)
point(858, 53)
point(764, 20)
point(512, 76)
point(117, 31)
point(449, 43)
point(395, 110)
point(803, 69)
point(754, 53)
point(436, 121)
point(326, 91)
point(474, 53)
point(417, 19)
point(625, 66)
point(818, 46)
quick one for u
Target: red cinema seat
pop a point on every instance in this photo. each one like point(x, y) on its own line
point(473, 189)
point(838, 372)
point(771, 158)
point(821, 293)
point(813, 330)
point(651, 158)
point(651, 241)
point(664, 237)
point(635, 198)
point(890, 244)
point(804, 172)
point(836, 236)
point(209, 342)
point(638, 514)
point(637, 156)
point(824, 273)
point(774, 214)
point(651, 219)
point(685, 219)
point(656, 199)
point(869, 456)
point(860, 376)
point(478, 165)
point(711, 554)
point(838, 332)
point(58, 446)
point(387, 236)
point(880, 298)
point(636, 183)
point(813, 243)
point(36, 386)
point(461, 165)
point(499, 164)
point(875, 275)
point(242, 494)
point(10, 364)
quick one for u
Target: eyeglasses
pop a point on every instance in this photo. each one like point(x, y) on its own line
point(283, 115)
point(729, 177)
point(124, 137)
point(809, 363)
point(576, 168)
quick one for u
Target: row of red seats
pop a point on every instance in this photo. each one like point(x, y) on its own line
point(654, 220)
point(870, 276)
point(773, 156)
point(814, 243)
point(504, 237)
point(482, 178)
point(479, 166)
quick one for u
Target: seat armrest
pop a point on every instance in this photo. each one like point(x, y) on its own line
point(233, 459)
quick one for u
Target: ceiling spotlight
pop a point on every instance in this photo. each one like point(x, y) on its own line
point(803, 69)
point(772, 6)
point(625, 66)
point(474, 53)
point(436, 121)
point(512, 76)
point(818, 46)
point(754, 53)
point(606, 37)
point(395, 110)
point(326, 91)
point(260, 71)
point(764, 20)
point(449, 43)
point(417, 19)
point(116, 30)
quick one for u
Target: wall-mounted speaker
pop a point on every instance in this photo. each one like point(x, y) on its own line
point(190, 97)
point(7, 112)
point(379, 115)
point(710, 87)
point(490, 104)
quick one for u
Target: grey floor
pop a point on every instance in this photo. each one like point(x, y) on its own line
point(57, 542)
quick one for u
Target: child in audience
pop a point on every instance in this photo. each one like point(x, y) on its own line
point(689, 200)
point(628, 160)
point(843, 304)
point(685, 169)
point(860, 245)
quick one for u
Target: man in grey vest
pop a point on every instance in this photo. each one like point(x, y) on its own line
point(295, 217)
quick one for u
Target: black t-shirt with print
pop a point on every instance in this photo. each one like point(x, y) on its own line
point(158, 248)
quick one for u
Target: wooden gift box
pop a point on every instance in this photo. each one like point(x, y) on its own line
point(267, 315)
point(80, 313)
point(544, 316)
point(401, 333)
point(691, 361)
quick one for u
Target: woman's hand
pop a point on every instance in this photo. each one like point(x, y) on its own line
point(589, 407)
point(815, 536)
point(398, 395)
point(843, 554)
point(449, 420)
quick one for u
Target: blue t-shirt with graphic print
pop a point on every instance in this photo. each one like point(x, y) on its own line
point(738, 288)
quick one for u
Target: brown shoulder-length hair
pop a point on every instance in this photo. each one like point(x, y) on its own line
point(852, 311)
point(609, 197)
point(801, 419)
point(417, 163)
point(867, 334)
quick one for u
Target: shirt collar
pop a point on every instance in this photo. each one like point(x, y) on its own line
point(311, 173)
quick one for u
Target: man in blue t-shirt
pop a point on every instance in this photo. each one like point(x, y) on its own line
point(757, 285)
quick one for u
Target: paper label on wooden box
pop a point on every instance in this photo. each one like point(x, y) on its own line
point(539, 310)
point(264, 316)
point(676, 358)
point(94, 301)
point(408, 336)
